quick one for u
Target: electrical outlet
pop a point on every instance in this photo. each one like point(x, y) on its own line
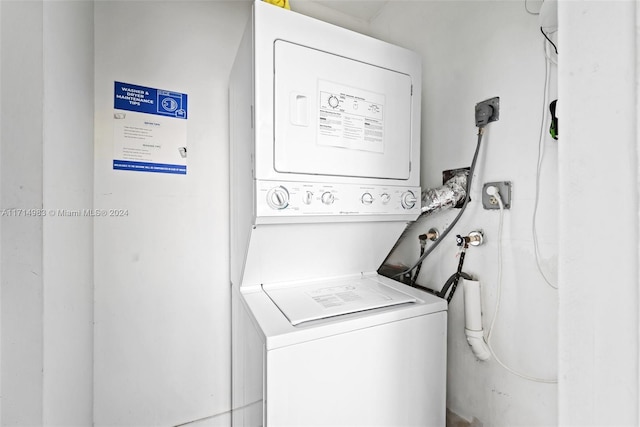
point(487, 111)
point(490, 202)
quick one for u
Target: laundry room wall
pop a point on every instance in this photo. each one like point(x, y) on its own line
point(21, 187)
point(326, 11)
point(162, 293)
point(472, 51)
point(599, 89)
point(46, 167)
point(67, 187)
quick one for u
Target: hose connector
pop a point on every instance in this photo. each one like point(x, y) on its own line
point(475, 238)
point(423, 240)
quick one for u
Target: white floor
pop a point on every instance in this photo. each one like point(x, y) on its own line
point(224, 420)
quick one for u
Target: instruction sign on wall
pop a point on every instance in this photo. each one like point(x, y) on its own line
point(150, 129)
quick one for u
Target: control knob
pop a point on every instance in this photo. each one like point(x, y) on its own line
point(408, 200)
point(386, 198)
point(307, 198)
point(367, 198)
point(278, 198)
point(327, 198)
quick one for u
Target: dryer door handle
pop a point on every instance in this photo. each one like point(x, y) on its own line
point(299, 109)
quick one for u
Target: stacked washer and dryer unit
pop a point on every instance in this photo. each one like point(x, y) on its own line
point(325, 149)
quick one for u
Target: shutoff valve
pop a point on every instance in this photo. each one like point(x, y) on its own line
point(475, 238)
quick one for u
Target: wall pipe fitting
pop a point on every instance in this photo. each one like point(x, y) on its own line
point(446, 196)
point(473, 328)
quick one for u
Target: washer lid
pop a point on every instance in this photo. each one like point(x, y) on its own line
point(319, 300)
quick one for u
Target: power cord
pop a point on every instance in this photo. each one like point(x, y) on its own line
point(493, 191)
point(486, 112)
point(543, 123)
point(457, 218)
point(549, 40)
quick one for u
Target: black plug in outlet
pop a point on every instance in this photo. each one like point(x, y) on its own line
point(487, 111)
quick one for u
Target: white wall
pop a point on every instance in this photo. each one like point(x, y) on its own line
point(327, 14)
point(598, 81)
point(162, 293)
point(21, 187)
point(2, 120)
point(68, 241)
point(473, 51)
point(46, 162)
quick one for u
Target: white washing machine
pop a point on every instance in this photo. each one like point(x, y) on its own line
point(325, 148)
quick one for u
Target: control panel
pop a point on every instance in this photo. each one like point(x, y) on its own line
point(280, 199)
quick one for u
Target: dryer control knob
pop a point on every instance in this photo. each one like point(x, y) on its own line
point(307, 198)
point(328, 198)
point(278, 198)
point(386, 198)
point(367, 198)
point(408, 200)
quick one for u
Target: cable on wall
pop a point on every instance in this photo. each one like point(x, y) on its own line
point(543, 125)
point(496, 310)
point(555, 48)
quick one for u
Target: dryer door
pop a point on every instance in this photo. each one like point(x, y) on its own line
point(340, 117)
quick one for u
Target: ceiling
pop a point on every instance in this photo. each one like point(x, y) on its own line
point(360, 9)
